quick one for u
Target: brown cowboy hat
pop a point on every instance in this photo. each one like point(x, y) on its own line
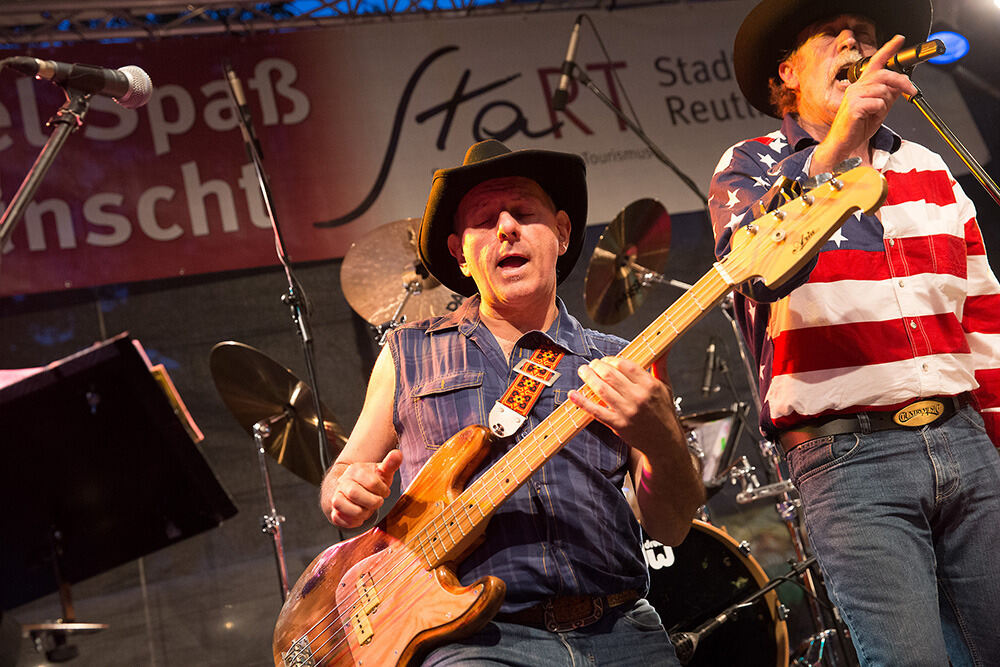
point(769, 32)
point(563, 176)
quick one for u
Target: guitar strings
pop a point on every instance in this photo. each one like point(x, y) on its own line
point(426, 534)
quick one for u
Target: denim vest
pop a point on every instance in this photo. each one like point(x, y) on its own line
point(569, 529)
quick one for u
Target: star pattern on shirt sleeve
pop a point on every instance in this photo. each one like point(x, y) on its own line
point(838, 236)
point(735, 220)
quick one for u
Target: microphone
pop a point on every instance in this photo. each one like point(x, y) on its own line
point(709, 375)
point(559, 97)
point(128, 86)
point(243, 109)
point(685, 644)
point(902, 62)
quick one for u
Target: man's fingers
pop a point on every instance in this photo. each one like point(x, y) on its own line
point(390, 464)
point(882, 56)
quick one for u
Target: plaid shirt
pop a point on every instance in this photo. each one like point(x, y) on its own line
point(568, 530)
point(896, 307)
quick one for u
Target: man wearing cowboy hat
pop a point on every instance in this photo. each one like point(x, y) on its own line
point(503, 229)
point(880, 363)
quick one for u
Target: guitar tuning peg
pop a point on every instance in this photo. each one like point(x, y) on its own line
point(781, 192)
point(847, 165)
point(814, 182)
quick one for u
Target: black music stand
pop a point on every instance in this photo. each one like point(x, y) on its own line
point(97, 470)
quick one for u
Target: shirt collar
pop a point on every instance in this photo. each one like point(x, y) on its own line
point(883, 140)
point(565, 331)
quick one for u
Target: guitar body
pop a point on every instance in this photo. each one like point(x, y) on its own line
point(373, 600)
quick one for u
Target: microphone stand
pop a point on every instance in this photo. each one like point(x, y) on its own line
point(686, 643)
point(580, 75)
point(294, 298)
point(68, 119)
point(963, 153)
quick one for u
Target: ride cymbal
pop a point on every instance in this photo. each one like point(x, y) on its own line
point(381, 272)
point(254, 387)
point(635, 243)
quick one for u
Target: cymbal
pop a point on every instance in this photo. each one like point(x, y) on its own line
point(708, 416)
point(254, 387)
point(637, 241)
point(68, 628)
point(380, 265)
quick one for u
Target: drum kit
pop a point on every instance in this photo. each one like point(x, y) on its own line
point(714, 598)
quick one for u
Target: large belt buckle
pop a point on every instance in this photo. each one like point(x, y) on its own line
point(529, 369)
point(552, 624)
point(919, 413)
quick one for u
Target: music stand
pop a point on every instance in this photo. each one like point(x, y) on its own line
point(98, 470)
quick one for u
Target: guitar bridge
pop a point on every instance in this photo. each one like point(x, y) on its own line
point(299, 654)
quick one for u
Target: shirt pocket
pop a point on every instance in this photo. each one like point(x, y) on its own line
point(596, 443)
point(447, 404)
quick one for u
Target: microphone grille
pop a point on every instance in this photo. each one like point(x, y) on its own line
point(140, 87)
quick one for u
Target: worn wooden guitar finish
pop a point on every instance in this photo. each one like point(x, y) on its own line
point(389, 595)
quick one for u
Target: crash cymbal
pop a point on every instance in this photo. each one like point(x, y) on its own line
point(255, 387)
point(380, 265)
point(637, 241)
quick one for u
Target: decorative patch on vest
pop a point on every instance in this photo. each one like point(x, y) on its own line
point(919, 413)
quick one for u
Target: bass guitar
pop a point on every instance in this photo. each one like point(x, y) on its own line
point(389, 595)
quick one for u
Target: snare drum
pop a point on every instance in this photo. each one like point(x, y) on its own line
point(706, 574)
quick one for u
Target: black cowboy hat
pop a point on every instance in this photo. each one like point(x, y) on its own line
point(769, 32)
point(563, 176)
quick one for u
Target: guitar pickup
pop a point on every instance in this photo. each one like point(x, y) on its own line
point(362, 627)
point(367, 594)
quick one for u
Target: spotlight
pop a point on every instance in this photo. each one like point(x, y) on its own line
point(956, 46)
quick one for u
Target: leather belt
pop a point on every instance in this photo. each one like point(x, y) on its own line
point(568, 613)
point(914, 415)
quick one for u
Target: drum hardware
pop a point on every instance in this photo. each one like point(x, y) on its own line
point(385, 282)
point(810, 651)
point(276, 408)
point(52, 639)
point(766, 491)
point(629, 257)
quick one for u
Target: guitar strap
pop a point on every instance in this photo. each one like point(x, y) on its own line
point(531, 376)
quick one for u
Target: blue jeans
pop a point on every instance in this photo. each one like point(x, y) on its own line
point(906, 527)
point(632, 638)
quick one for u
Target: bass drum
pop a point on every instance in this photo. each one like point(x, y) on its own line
point(706, 574)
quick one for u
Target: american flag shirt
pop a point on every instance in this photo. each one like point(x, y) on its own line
point(895, 308)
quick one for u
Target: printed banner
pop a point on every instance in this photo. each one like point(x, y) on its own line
point(352, 122)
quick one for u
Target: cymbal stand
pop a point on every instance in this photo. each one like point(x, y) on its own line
point(410, 289)
point(271, 522)
point(789, 508)
point(52, 638)
point(649, 277)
